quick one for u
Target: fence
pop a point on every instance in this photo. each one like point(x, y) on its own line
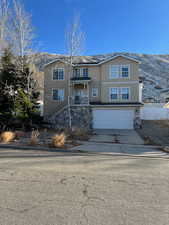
point(154, 111)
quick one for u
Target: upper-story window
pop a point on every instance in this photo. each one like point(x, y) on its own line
point(81, 72)
point(58, 74)
point(125, 71)
point(114, 72)
point(119, 71)
point(85, 72)
point(125, 93)
point(76, 72)
point(114, 93)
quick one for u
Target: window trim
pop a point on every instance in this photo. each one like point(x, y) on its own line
point(111, 100)
point(110, 72)
point(63, 94)
point(120, 66)
point(58, 68)
point(125, 65)
point(81, 72)
point(97, 92)
point(121, 94)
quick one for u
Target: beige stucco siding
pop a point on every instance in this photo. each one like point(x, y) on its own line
point(51, 106)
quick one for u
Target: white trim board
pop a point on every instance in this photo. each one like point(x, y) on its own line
point(120, 82)
point(95, 64)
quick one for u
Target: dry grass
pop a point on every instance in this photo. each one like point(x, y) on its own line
point(162, 123)
point(7, 136)
point(34, 137)
point(58, 140)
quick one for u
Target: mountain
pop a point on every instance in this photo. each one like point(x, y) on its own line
point(154, 69)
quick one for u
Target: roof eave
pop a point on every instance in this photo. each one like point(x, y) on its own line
point(120, 55)
point(56, 60)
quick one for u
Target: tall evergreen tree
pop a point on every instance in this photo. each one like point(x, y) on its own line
point(18, 95)
point(8, 83)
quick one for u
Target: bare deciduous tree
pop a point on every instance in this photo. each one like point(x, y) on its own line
point(4, 22)
point(75, 39)
point(22, 35)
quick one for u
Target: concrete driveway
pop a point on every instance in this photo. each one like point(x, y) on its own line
point(118, 142)
point(117, 136)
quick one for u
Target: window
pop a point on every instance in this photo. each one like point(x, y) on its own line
point(94, 92)
point(117, 71)
point(113, 93)
point(58, 94)
point(77, 72)
point(125, 93)
point(81, 72)
point(85, 72)
point(114, 72)
point(58, 74)
point(124, 71)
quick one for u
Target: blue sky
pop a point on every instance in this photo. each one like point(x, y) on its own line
point(140, 26)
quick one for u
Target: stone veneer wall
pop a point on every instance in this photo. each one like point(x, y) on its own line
point(81, 118)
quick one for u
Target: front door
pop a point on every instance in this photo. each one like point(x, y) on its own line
point(79, 93)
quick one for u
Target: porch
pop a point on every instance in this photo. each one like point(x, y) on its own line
point(80, 93)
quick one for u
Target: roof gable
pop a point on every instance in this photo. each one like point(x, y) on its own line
point(116, 56)
point(54, 61)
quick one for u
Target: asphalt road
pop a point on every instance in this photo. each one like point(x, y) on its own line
point(79, 189)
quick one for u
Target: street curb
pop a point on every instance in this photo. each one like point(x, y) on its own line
point(33, 148)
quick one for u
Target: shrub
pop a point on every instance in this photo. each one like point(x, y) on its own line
point(7, 136)
point(58, 140)
point(34, 137)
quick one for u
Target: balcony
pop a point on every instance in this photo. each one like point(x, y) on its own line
point(83, 78)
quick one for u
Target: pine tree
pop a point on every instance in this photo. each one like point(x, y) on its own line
point(27, 96)
point(18, 95)
point(8, 84)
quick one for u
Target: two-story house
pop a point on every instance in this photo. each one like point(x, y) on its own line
point(110, 90)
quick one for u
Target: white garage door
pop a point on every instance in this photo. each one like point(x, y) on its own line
point(113, 119)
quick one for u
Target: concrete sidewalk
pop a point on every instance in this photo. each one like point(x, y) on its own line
point(118, 149)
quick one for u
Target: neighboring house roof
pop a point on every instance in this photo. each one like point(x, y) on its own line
point(89, 60)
